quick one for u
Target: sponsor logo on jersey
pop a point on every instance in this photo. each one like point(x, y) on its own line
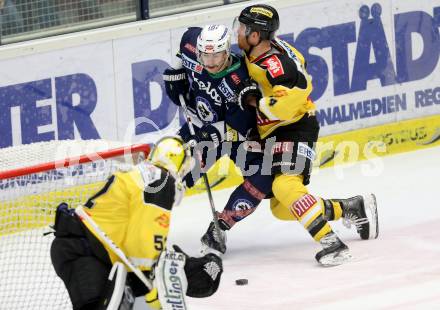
point(304, 204)
point(198, 68)
point(286, 48)
point(235, 78)
point(204, 110)
point(190, 48)
point(227, 91)
point(212, 92)
point(274, 66)
point(306, 151)
point(191, 64)
point(163, 220)
point(262, 11)
point(282, 147)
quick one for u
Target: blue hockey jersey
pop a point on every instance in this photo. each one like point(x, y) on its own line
point(213, 96)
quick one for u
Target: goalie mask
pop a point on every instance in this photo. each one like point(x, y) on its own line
point(214, 47)
point(170, 153)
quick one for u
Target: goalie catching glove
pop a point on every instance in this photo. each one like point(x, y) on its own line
point(203, 273)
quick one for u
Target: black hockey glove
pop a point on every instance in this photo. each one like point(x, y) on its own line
point(203, 274)
point(208, 133)
point(248, 90)
point(176, 84)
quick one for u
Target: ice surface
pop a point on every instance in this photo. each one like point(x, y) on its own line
point(399, 270)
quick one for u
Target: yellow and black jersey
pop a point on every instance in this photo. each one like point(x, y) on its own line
point(134, 208)
point(285, 85)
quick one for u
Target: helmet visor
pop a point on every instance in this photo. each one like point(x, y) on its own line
point(238, 28)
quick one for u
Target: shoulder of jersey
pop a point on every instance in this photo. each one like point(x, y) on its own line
point(276, 64)
point(188, 43)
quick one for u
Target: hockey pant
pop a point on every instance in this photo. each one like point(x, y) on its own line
point(292, 201)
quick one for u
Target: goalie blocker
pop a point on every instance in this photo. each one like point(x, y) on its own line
point(92, 282)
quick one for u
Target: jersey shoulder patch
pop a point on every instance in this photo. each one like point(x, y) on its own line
point(274, 66)
point(281, 70)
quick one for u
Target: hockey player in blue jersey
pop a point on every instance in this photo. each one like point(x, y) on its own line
point(208, 75)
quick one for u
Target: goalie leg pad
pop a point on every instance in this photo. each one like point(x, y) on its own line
point(170, 280)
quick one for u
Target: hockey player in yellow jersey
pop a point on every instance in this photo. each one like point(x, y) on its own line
point(134, 209)
point(279, 87)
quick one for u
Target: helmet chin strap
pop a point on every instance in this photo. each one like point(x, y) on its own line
point(226, 63)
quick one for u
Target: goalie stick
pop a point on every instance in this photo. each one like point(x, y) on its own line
point(121, 297)
point(82, 214)
point(204, 175)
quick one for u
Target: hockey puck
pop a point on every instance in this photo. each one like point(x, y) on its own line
point(241, 281)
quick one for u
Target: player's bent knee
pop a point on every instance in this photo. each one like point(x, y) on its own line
point(288, 188)
point(280, 211)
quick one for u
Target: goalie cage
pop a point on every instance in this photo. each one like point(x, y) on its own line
point(34, 179)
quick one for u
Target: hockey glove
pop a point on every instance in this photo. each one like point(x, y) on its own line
point(176, 84)
point(203, 274)
point(208, 133)
point(248, 90)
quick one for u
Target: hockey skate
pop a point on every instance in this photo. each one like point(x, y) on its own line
point(361, 211)
point(334, 251)
point(212, 242)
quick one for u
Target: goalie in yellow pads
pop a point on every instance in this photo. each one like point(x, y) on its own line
point(280, 88)
point(133, 209)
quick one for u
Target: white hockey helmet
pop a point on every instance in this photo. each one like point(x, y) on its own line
point(211, 43)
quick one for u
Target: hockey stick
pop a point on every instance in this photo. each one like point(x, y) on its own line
point(216, 182)
point(204, 175)
point(82, 214)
